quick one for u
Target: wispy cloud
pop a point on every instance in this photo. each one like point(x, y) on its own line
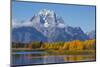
point(17, 24)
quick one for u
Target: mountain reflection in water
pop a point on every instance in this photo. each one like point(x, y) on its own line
point(43, 58)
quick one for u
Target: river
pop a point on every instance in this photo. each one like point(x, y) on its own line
point(26, 58)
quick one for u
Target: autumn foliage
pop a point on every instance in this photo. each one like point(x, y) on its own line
point(71, 45)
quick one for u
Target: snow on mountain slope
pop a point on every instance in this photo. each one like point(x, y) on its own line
point(47, 26)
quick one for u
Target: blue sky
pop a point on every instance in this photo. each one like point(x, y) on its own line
point(73, 15)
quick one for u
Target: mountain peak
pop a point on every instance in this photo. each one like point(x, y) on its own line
point(46, 12)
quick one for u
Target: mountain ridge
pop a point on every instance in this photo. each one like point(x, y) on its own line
point(50, 28)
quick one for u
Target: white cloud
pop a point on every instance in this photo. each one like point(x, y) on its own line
point(16, 24)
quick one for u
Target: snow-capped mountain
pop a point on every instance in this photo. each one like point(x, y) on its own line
point(91, 34)
point(50, 25)
point(47, 26)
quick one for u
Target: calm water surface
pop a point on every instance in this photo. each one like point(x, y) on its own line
point(24, 58)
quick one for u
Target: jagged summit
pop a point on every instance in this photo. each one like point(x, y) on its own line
point(47, 18)
point(46, 12)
